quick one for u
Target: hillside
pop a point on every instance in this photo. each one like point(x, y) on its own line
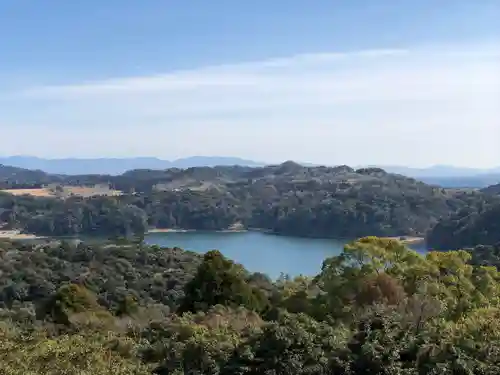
point(469, 227)
point(444, 176)
point(476, 224)
point(288, 198)
point(11, 177)
point(492, 189)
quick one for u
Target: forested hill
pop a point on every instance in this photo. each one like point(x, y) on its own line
point(286, 199)
point(493, 189)
point(475, 224)
point(144, 180)
point(20, 177)
point(470, 226)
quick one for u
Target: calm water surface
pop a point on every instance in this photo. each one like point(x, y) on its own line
point(258, 252)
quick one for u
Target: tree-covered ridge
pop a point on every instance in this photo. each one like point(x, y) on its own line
point(12, 177)
point(470, 226)
point(286, 199)
point(493, 189)
point(113, 272)
point(376, 308)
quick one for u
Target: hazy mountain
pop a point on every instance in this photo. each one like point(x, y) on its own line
point(115, 166)
point(477, 181)
point(212, 161)
point(442, 175)
point(450, 176)
point(440, 171)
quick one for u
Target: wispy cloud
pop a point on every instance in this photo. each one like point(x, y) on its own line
point(273, 71)
point(413, 106)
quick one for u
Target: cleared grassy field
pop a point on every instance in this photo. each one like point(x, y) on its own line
point(34, 192)
point(67, 191)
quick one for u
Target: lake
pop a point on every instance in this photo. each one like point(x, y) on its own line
point(257, 251)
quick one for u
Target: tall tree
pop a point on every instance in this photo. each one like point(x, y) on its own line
point(220, 282)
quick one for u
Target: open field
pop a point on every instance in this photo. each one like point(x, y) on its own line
point(65, 192)
point(43, 192)
point(17, 235)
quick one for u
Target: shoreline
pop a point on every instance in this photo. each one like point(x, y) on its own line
point(408, 240)
point(18, 235)
point(168, 230)
point(173, 230)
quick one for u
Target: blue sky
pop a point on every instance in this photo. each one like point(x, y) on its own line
point(337, 82)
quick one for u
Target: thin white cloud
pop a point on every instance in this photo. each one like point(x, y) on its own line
point(233, 75)
point(412, 106)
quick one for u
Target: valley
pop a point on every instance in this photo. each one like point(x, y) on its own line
point(250, 187)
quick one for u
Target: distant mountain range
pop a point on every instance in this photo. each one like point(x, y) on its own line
point(440, 171)
point(450, 176)
point(116, 166)
point(443, 175)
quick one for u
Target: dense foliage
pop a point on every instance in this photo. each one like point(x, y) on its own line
point(13, 177)
point(492, 189)
point(113, 272)
point(467, 228)
point(219, 282)
point(376, 308)
point(287, 199)
point(484, 255)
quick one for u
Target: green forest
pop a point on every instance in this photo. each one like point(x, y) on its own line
point(376, 308)
point(250, 187)
point(337, 202)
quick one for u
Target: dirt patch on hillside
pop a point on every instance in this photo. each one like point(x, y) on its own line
point(64, 192)
point(33, 192)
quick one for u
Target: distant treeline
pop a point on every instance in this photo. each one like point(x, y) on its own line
point(335, 202)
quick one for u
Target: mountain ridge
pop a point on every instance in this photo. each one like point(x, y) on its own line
point(287, 198)
point(441, 175)
point(117, 166)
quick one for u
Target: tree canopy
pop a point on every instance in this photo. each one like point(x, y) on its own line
point(376, 308)
point(337, 202)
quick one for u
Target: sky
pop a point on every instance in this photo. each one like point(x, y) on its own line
point(358, 82)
